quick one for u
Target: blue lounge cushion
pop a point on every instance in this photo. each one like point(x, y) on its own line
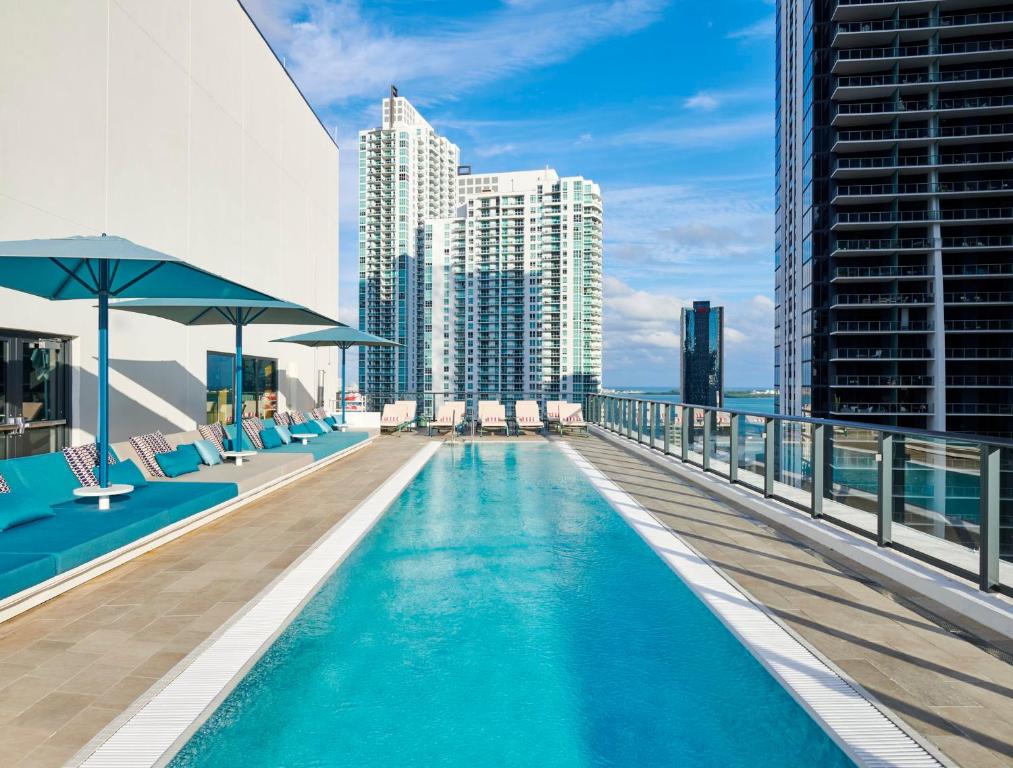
point(323, 425)
point(176, 463)
point(208, 452)
point(14, 512)
point(331, 421)
point(270, 438)
point(125, 472)
point(285, 433)
point(311, 428)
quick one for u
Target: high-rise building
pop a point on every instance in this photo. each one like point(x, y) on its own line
point(407, 174)
point(894, 223)
point(513, 299)
point(703, 352)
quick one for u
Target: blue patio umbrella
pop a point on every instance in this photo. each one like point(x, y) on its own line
point(235, 312)
point(104, 267)
point(344, 337)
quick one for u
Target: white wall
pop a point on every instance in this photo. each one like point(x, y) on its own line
point(171, 123)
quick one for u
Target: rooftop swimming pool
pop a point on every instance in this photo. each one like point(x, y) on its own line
point(503, 613)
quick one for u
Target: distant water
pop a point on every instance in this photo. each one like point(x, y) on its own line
point(753, 404)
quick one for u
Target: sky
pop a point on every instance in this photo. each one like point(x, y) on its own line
point(667, 104)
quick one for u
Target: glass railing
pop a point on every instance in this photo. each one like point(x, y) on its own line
point(925, 22)
point(878, 326)
point(946, 499)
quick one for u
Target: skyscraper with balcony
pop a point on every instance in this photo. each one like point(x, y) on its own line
point(407, 173)
point(702, 340)
point(513, 302)
point(894, 212)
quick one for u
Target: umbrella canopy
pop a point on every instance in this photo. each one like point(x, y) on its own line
point(102, 267)
point(235, 312)
point(340, 336)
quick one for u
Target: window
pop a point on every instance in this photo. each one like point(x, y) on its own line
point(34, 386)
point(260, 386)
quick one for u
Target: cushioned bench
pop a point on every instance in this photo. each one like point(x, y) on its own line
point(320, 447)
point(78, 532)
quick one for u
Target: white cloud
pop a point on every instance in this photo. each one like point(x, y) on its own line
point(759, 30)
point(336, 53)
point(495, 150)
point(702, 101)
point(693, 134)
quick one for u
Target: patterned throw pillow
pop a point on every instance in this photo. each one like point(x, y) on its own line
point(158, 442)
point(294, 417)
point(4, 488)
point(91, 451)
point(208, 432)
point(80, 464)
point(142, 447)
point(252, 429)
point(281, 419)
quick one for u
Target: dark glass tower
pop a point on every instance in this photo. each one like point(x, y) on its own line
point(703, 349)
point(894, 198)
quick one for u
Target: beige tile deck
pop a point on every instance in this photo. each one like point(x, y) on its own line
point(70, 666)
point(952, 692)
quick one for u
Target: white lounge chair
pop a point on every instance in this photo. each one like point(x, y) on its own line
point(492, 417)
point(393, 417)
point(408, 407)
point(571, 417)
point(448, 417)
point(552, 411)
point(527, 416)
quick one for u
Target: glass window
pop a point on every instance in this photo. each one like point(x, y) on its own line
point(260, 386)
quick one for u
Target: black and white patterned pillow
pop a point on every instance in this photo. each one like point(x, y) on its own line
point(252, 428)
point(4, 488)
point(91, 451)
point(282, 419)
point(296, 418)
point(158, 442)
point(142, 447)
point(81, 464)
point(208, 432)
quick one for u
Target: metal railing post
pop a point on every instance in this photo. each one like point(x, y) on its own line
point(884, 527)
point(707, 419)
point(733, 448)
point(768, 457)
point(666, 425)
point(641, 411)
point(628, 413)
point(816, 507)
point(655, 410)
point(988, 569)
point(684, 433)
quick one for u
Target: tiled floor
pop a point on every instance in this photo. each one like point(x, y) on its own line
point(955, 694)
point(70, 666)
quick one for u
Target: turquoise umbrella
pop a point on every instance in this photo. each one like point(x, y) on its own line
point(344, 337)
point(104, 267)
point(235, 312)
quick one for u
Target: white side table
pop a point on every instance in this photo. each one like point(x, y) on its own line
point(303, 437)
point(102, 494)
point(238, 456)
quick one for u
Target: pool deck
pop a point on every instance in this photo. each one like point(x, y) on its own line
point(69, 667)
point(950, 691)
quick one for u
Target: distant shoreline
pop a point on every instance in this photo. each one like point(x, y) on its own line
point(753, 392)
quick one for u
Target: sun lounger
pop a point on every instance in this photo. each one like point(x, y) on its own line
point(393, 417)
point(492, 417)
point(408, 407)
point(449, 417)
point(527, 416)
point(571, 417)
point(552, 411)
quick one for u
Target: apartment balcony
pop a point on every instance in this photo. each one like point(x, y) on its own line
point(979, 353)
point(978, 326)
point(884, 85)
point(854, 194)
point(979, 382)
point(876, 274)
point(849, 113)
point(873, 247)
point(882, 31)
point(980, 409)
point(890, 327)
point(878, 354)
point(856, 60)
point(885, 382)
point(867, 300)
point(880, 409)
point(876, 219)
point(879, 139)
point(995, 298)
point(857, 167)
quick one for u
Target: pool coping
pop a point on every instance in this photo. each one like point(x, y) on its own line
point(865, 730)
point(157, 725)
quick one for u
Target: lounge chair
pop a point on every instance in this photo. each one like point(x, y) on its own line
point(527, 416)
point(571, 417)
point(492, 417)
point(449, 417)
point(393, 417)
point(408, 407)
point(552, 411)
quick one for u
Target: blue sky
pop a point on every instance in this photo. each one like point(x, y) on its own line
point(667, 105)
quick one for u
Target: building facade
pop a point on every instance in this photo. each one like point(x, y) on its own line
point(894, 199)
point(702, 364)
point(514, 289)
point(407, 174)
point(180, 130)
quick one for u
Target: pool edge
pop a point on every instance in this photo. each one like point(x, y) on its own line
point(140, 735)
point(862, 749)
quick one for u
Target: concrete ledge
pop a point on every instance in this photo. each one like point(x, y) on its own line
point(987, 615)
point(47, 590)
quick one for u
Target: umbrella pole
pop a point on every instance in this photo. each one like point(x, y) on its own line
point(103, 374)
point(237, 408)
point(343, 385)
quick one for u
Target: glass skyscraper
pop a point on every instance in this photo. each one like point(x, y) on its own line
point(703, 349)
point(894, 212)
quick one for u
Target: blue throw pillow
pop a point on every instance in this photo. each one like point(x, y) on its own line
point(270, 438)
point(311, 428)
point(323, 425)
point(14, 512)
point(176, 463)
point(190, 451)
point(208, 452)
point(285, 433)
point(124, 472)
point(331, 421)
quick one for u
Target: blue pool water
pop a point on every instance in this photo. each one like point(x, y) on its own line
point(502, 614)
